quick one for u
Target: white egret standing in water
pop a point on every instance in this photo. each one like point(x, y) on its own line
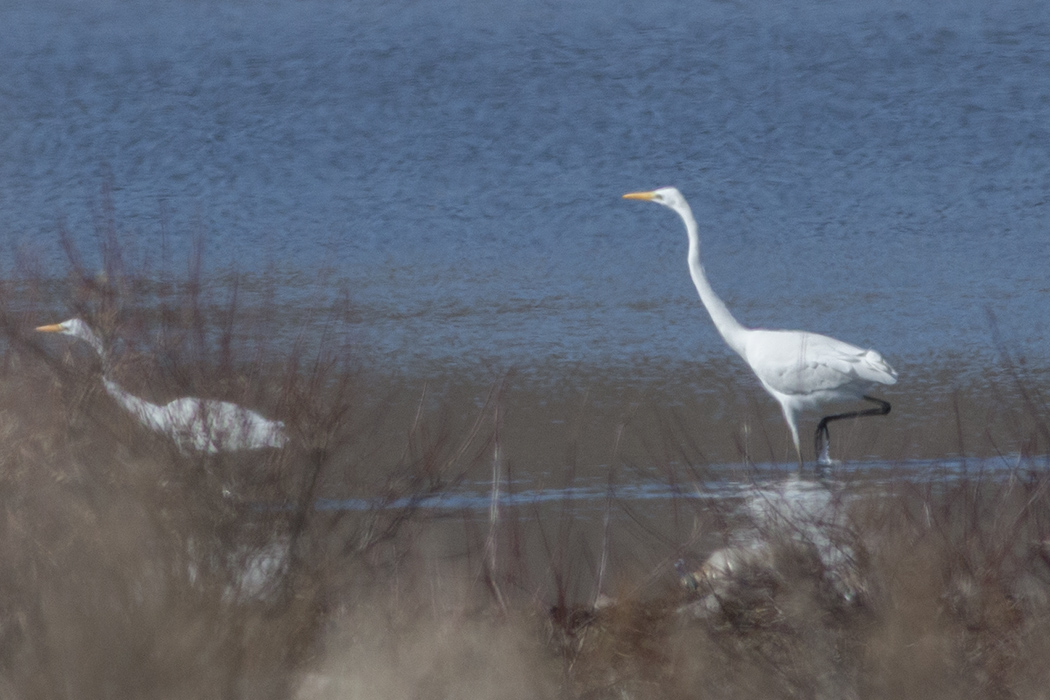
point(800, 370)
point(195, 425)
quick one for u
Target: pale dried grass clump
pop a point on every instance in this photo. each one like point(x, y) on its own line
point(412, 646)
point(951, 600)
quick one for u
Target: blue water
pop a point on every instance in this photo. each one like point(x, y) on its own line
point(876, 171)
point(719, 483)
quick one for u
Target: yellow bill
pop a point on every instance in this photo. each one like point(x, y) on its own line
point(639, 195)
point(53, 328)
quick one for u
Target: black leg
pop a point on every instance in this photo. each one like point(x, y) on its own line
point(822, 436)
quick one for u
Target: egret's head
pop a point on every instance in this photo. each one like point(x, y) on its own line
point(74, 327)
point(78, 329)
point(668, 196)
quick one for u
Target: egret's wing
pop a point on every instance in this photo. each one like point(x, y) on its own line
point(242, 428)
point(208, 425)
point(188, 424)
point(799, 363)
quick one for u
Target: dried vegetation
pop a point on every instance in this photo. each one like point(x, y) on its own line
point(130, 570)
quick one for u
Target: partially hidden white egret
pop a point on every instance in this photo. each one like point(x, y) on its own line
point(195, 425)
point(801, 370)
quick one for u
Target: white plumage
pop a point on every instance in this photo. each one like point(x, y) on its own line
point(801, 370)
point(195, 425)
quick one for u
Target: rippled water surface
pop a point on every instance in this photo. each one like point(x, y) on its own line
point(877, 171)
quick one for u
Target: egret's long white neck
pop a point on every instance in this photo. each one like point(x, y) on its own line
point(88, 336)
point(91, 339)
point(729, 328)
point(149, 414)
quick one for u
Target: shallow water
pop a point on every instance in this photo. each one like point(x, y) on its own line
point(876, 173)
point(755, 487)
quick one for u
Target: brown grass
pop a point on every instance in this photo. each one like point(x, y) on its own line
point(129, 570)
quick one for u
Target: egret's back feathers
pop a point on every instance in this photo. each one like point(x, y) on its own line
point(800, 363)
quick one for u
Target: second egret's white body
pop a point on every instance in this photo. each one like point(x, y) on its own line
point(195, 425)
point(801, 370)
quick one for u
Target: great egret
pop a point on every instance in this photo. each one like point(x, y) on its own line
point(196, 425)
point(800, 370)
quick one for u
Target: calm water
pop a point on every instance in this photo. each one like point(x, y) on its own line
point(729, 483)
point(870, 170)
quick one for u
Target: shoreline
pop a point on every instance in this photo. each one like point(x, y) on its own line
point(721, 418)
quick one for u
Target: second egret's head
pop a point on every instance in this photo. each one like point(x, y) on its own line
point(78, 329)
point(74, 327)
